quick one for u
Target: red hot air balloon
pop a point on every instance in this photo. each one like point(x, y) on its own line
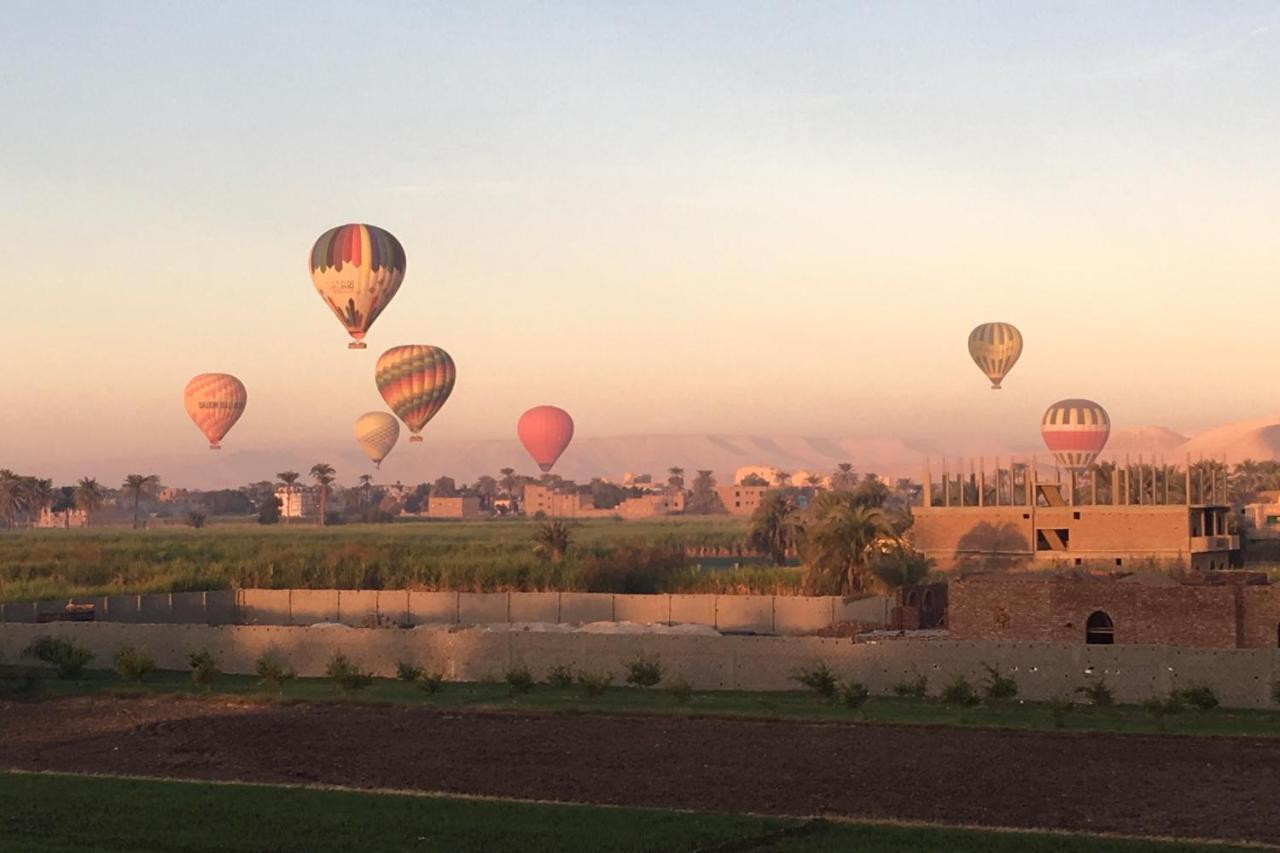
point(545, 431)
point(1075, 431)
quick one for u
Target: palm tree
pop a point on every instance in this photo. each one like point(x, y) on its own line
point(89, 497)
point(782, 479)
point(13, 497)
point(813, 481)
point(509, 482)
point(487, 488)
point(843, 479)
point(39, 495)
point(64, 500)
point(323, 474)
point(552, 541)
point(676, 478)
point(839, 539)
point(138, 486)
point(775, 527)
point(366, 485)
point(288, 478)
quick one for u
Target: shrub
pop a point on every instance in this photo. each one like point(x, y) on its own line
point(204, 668)
point(519, 679)
point(1199, 696)
point(68, 657)
point(406, 671)
point(1060, 707)
point(272, 672)
point(431, 682)
point(679, 690)
point(594, 684)
point(960, 692)
point(644, 671)
point(348, 674)
point(819, 678)
point(854, 694)
point(131, 663)
point(999, 688)
point(1160, 708)
point(1097, 692)
point(915, 688)
point(1275, 692)
point(560, 676)
point(196, 518)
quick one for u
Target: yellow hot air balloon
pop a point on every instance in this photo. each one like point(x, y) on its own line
point(356, 270)
point(377, 433)
point(215, 401)
point(415, 381)
point(995, 348)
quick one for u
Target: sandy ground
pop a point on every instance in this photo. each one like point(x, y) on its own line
point(1149, 785)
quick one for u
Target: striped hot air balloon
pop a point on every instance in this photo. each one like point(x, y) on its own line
point(1075, 431)
point(356, 270)
point(415, 381)
point(995, 348)
point(377, 433)
point(215, 401)
point(545, 431)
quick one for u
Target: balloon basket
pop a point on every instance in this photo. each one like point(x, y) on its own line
point(215, 446)
point(415, 438)
point(995, 387)
point(357, 345)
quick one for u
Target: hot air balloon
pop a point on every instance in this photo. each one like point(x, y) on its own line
point(545, 431)
point(1075, 431)
point(356, 270)
point(995, 348)
point(215, 401)
point(377, 433)
point(415, 381)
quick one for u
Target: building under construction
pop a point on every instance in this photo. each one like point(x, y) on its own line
point(1114, 515)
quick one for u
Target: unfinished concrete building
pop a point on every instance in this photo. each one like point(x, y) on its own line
point(1125, 515)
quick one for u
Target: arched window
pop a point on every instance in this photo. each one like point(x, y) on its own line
point(1099, 630)
point(927, 601)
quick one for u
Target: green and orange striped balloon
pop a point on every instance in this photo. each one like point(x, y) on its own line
point(415, 381)
point(357, 269)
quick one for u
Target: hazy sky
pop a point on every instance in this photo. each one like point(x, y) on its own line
point(738, 217)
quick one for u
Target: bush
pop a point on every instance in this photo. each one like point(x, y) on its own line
point(431, 682)
point(594, 684)
point(406, 671)
point(560, 676)
point(1199, 696)
point(272, 672)
point(914, 688)
point(196, 518)
point(1162, 707)
point(854, 694)
point(1275, 692)
point(131, 663)
point(1060, 707)
point(348, 674)
point(644, 671)
point(204, 668)
point(960, 692)
point(519, 679)
point(679, 690)
point(819, 678)
point(69, 658)
point(999, 688)
point(1097, 692)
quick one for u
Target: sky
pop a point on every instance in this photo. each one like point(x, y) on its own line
point(733, 217)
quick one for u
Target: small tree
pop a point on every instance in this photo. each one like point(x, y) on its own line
point(775, 527)
point(552, 540)
point(88, 498)
point(323, 474)
point(137, 487)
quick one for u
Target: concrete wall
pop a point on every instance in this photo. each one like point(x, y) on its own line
point(1241, 678)
point(388, 608)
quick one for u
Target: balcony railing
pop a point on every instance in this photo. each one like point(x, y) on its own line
point(1199, 544)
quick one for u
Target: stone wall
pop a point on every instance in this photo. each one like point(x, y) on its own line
point(368, 608)
point(1240, 678)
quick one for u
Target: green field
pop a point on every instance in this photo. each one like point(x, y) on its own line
point(794, 705)
point(479, 556)
point(58, 814)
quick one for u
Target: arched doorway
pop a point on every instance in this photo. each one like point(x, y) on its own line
point(1099, 630)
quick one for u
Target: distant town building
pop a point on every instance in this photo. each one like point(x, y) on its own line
point(567, 504)
point(764, 472)
point(64, 519)
point(1263, 517)
point(459, 507)
point(171, 494)
point(1011, 518)
point(741, 500)
point(297, 502)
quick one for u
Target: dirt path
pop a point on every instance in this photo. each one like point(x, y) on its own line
point(1225, 788)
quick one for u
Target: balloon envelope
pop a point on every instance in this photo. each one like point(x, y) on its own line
point(545, 431)
point(995, 348)
point(215, 401)
point(356, 269)
point(415, 381)
point(1075, 431)
point(376, 433)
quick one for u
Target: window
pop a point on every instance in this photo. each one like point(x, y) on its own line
point(1099, 630)
point(1119, 561)
point(1053, 539)
point(1076, 516)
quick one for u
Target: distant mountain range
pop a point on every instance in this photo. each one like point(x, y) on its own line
point(613, 456)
